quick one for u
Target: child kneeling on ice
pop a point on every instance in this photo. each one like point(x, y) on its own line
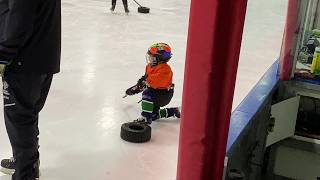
point(156, 85)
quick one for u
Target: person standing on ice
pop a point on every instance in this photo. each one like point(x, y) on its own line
point(125, 5)
point(30, 49)
point(156, 85)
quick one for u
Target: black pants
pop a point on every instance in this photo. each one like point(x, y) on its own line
point(162, 97)
point(24, 97)
point(125, 2)
point(152, 100)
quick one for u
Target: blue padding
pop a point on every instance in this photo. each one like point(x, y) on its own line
point(312, 81)
point(251, 104)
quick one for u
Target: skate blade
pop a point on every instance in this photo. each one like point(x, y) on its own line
point(7, 171)
point(11, 172)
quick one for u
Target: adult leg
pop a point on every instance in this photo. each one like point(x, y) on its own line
point(24, 97)
point(113, 5)
point(125, 5)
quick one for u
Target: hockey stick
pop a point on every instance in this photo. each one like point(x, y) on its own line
point(137, 3)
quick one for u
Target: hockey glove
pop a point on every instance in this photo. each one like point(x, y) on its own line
point(142, 80)
point(139, 87)
point(135, 89)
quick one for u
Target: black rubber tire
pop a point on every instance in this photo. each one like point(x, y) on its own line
point(135, 132)
point(144, 10)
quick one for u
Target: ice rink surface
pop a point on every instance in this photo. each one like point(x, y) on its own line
point(102, 55)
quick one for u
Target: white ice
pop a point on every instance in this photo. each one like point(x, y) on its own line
point(103, 54)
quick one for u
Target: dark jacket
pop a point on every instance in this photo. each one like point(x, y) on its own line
point(3, 9)
point(30, 35)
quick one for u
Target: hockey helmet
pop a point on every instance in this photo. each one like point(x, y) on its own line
point(159, 53)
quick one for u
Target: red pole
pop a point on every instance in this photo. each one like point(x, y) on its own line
point(214, 40)
point(288, 43)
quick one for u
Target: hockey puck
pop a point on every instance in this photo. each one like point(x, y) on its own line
point(143, 9)
point(135, 132)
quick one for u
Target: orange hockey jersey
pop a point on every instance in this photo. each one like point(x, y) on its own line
point(159, 76)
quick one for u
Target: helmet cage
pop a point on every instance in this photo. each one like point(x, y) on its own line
point(159, 53)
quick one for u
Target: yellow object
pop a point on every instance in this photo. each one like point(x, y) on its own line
point(315, 67)
point(316, 33)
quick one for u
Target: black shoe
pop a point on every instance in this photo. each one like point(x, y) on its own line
point(8, 167)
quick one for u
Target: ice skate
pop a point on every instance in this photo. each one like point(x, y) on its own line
point(8, 167)
point(112, 8)
point(126, 9)
point(142, 120)
point(177, 112)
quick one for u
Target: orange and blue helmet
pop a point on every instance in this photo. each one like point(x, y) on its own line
point(159, 53)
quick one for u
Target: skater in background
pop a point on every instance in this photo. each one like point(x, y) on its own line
point(156, 85)
point(125, 5)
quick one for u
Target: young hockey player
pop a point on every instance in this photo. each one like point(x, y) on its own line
point(156, 85)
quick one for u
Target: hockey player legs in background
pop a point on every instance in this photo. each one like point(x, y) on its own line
point(125, 5)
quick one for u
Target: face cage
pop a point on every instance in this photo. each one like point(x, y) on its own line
point(151, 59)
